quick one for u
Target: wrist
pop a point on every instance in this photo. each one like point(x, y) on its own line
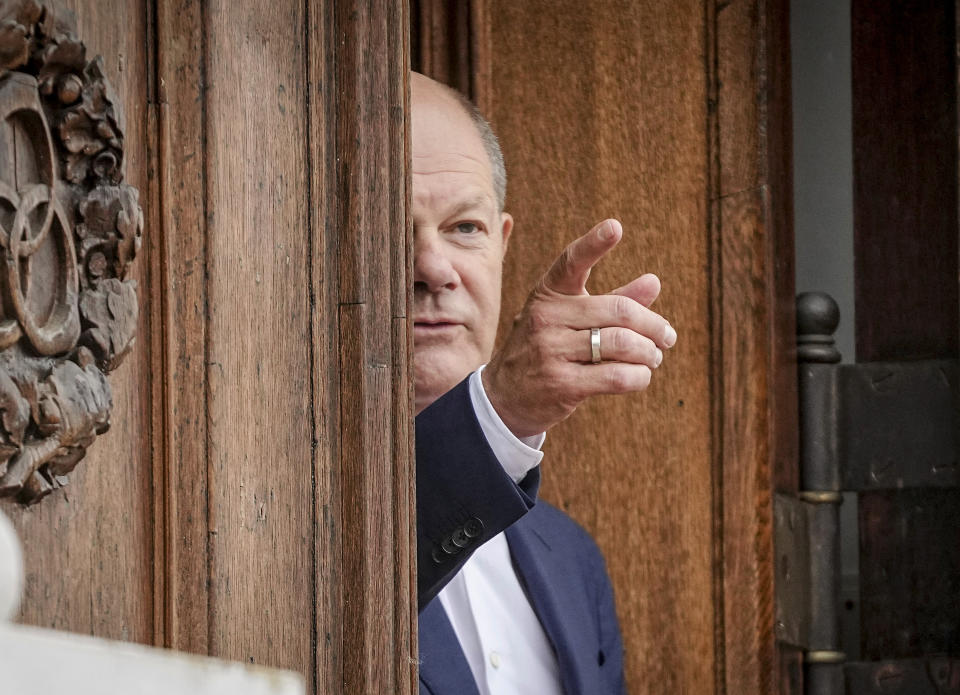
point(491, 386)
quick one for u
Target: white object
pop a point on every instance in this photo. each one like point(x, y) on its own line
point(34, 661)
point(517, 456)
point(11, 569)
point(506, 647)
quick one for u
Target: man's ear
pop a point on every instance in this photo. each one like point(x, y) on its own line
point(506, 226)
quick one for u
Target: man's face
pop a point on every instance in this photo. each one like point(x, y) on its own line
point(459, 239)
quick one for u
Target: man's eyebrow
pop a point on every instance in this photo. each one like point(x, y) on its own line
point(478, 201)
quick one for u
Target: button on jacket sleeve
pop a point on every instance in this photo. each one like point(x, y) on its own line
point(464, 496)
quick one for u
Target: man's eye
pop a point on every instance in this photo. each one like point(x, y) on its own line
point(467, 228)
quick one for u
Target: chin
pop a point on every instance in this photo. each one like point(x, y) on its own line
point(434, 374)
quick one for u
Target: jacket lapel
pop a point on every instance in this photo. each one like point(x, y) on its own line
point(443, 667)
point(556, 599)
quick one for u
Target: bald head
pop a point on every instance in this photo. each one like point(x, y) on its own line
point(430, 94)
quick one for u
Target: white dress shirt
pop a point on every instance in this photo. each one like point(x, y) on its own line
point(506, 647)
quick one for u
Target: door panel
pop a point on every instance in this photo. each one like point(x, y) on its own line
point(883, 431)
point(90, 547)
point(675, 120)
point(180, 406)
point(253, 499)
point(259, 467)
point(904, 70)
point(909, 573)
point(593, 131)
point(906, 237)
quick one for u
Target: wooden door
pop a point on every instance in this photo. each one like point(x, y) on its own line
point(90, 547)
point(674, 118)
point(882, 429)
point(907, 232)
point(253, 497)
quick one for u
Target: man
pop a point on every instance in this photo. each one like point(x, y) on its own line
point(514, 597)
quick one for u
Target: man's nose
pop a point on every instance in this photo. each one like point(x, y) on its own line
point(432, 268)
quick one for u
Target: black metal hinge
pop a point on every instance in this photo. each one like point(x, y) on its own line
point(874, 426)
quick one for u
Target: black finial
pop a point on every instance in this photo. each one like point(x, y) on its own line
point(817, 318)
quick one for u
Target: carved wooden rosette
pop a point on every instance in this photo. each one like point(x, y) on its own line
point(69, 231)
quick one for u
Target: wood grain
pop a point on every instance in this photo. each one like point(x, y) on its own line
point(404, 653)
point(443, 37)
point(254, 500)
point(89, 564)
point(909, 572)
point(179, 382)
point(747, 535)
point(258, 332)
point(363, 397)
point(904, 68)
point(154, 251)
point(904, 72)
point(753, 312)
point(601, 110)
point(776, 129)
point(451, 42)
point(329, 573)
point(678, 122)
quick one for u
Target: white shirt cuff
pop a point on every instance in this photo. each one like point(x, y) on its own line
point(517, 456)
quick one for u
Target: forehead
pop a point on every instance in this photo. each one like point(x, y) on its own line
point(449, 161)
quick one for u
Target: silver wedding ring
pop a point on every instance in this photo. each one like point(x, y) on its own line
point(595, 345)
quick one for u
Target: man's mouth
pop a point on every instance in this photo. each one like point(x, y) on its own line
point(426, 327)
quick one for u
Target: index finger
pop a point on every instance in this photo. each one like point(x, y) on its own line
point(569, 273)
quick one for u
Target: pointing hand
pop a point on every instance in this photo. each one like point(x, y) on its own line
point(544, 369)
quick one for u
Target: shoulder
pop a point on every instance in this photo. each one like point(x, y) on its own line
point(560, 531)
point(571, 560)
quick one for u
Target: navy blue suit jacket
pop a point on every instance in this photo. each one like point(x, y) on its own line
point(464, 498)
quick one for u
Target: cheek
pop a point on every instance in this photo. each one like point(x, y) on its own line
point(483, 283)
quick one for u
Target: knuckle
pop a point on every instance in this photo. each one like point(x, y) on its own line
point(619, 341)
point(622, 309)
point(659, 325)
point(567, 388)
point(626, 378)
point(575, 395)
point(649, 351)
point(542, 354)
point(537, 319)
point(561, 386)
point(618, 379)
point(552, 375)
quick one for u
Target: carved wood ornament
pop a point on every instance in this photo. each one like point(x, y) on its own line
point(69, 231)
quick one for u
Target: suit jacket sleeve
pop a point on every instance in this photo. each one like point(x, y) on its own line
point(464, 497)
